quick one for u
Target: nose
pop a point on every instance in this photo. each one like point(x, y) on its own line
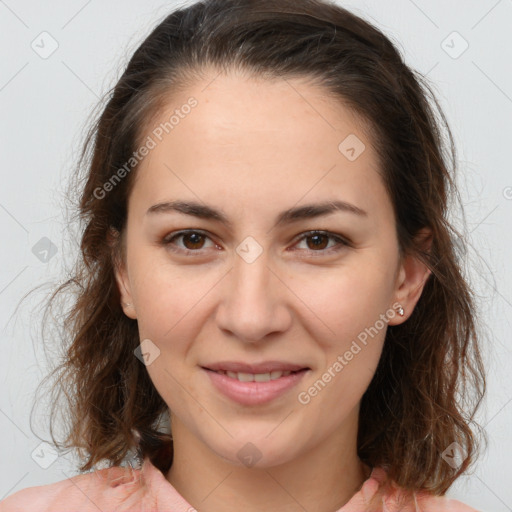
point(255, 300)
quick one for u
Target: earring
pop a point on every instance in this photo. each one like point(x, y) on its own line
point(400, 310)
point(126, 304)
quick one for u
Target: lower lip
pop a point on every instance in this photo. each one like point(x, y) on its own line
point(254, 393)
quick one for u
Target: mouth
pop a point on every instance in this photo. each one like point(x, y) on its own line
point(256, 377)
point(254, 387)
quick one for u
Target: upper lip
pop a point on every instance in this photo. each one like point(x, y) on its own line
point(264, 367)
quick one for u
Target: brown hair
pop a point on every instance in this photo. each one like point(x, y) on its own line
point(430, 379)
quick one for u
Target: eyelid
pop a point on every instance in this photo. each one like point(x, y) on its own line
point(167, 240)
point(338, 237)
point(341, 243)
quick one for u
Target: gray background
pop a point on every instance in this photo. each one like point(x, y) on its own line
point(44, 105)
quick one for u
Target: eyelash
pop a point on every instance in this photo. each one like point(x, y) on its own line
point(341, 242)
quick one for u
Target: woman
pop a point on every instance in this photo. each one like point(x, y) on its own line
point(266, 262)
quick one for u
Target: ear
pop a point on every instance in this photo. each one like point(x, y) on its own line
point(411, 278)
point(121, 275)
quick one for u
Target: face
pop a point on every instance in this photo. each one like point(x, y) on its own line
point(236, 279)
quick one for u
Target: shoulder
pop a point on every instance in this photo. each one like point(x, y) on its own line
point(431, 503)
point(115, 488)
point(385, 495)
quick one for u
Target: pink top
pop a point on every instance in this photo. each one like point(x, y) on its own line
point(146, 490)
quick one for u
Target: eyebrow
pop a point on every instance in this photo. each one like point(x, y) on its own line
point(308, 211)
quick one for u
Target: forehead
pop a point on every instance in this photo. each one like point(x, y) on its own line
point(267, 139)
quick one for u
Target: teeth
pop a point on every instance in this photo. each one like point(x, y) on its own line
point(255, 377)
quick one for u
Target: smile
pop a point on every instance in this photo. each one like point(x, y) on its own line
point(254, 388)
point(255, 377)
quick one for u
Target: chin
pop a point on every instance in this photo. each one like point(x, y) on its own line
point(258, 450)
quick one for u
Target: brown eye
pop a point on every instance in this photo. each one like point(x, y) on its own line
point(191, 242)
point(318, 241)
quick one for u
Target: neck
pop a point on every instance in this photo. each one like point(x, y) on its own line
point(323, 478)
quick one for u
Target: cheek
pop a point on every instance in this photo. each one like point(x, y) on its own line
point(351, 314)
point(345, 302)
point(167, 315)
point(167, 296)
point(340, 387)
point(355, 324)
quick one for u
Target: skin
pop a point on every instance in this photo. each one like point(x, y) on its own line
point(253, 148)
